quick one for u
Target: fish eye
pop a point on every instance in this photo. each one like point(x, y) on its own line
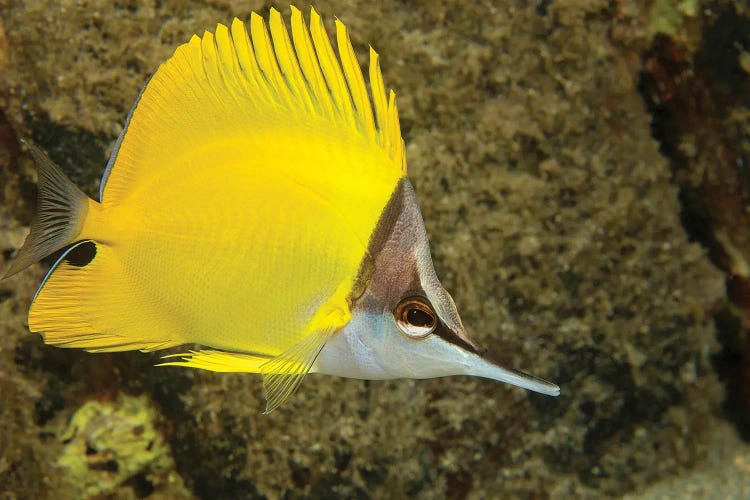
point(415, 317)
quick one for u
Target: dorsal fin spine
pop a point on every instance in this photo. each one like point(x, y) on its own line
point(226, 68)
point(378, 100)
point(209, 60)
point(264, 54)
point(354, 79)
point(233, 78)
point(309, 65)
point(331, 68)
point(288, 64)
point(196, 60)
point(395, 133)
point(246, 60)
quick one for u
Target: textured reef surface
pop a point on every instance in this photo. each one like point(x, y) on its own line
point(582, 171)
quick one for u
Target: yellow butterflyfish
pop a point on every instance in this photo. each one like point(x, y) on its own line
point(256, 204)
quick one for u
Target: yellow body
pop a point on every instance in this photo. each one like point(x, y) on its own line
point(240, 201)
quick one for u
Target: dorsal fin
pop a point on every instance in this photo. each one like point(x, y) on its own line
point(238, 81)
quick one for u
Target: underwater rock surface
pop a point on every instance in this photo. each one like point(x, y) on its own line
point(108, 444)
point(554, 220)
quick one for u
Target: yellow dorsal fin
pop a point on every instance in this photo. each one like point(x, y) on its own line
point(354, 80)
point(220, 86)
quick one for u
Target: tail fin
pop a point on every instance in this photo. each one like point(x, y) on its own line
point(61, 209)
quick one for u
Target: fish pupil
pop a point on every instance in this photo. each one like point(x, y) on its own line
point(420, 318)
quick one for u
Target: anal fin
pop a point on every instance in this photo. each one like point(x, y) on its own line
point(282, 374)
point(217, 361)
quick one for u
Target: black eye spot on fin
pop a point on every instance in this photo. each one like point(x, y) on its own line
point(82, 254)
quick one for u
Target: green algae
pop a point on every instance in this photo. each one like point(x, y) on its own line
point(670, 16)
point(106, 444)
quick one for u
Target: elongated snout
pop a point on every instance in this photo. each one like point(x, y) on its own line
point(483, 366)
point(462, 350)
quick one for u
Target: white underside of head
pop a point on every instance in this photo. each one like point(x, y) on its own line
point(370, 348)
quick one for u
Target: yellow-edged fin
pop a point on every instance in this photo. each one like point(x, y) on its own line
point(282, 374)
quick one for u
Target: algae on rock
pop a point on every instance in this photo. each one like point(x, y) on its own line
point(108, 443)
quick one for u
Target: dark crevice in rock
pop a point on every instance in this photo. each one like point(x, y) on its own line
point(692, 99)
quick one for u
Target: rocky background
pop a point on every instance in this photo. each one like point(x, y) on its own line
point(582, 170)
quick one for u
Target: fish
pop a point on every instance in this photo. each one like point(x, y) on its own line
point(255, 207)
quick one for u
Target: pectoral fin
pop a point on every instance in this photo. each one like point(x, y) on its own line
point(284, 373)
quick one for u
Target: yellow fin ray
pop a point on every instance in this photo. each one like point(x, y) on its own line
point(397, 149)
point(228, 61)
point(215, 69)
point(309, 65)
point(331, 69)
point(257, 90)
point(287, 60)
point(378, 99)
point(354, 80)
point(217, 361)
point(264, 54)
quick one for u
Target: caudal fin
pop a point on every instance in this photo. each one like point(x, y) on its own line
point(61, 209)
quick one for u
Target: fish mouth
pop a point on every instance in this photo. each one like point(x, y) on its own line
point(484, 365)
point(487, 367)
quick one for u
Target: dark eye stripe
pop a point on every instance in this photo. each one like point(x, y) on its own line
point(445, 333)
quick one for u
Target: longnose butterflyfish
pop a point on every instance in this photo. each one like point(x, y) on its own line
point(256, 207)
